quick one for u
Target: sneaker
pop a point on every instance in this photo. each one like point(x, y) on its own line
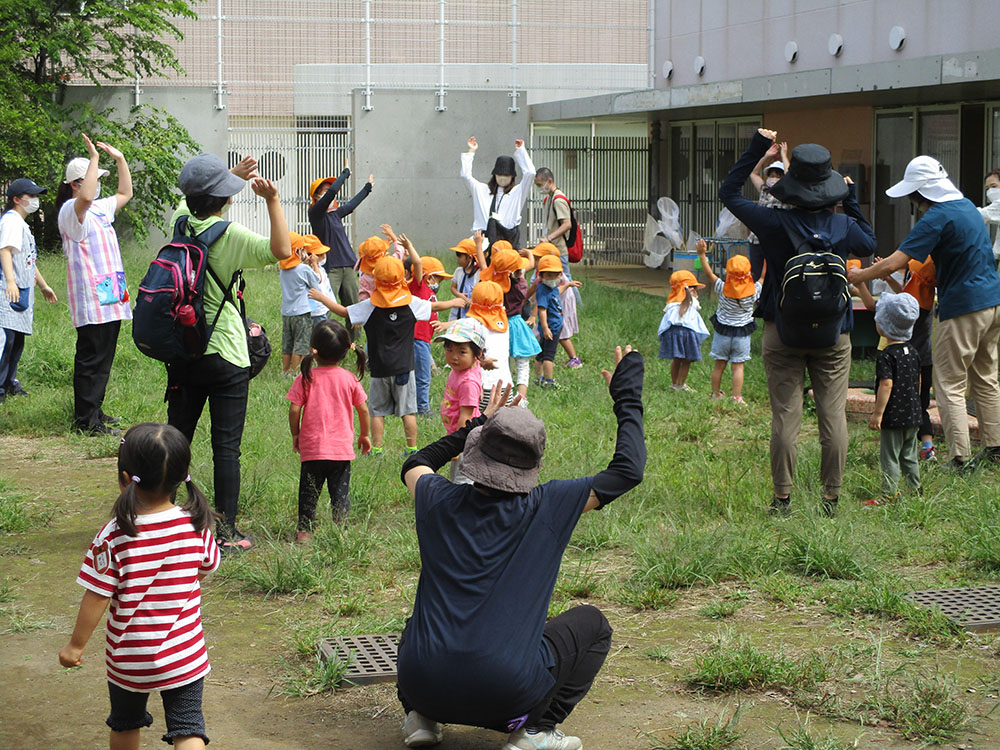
point(15, 389)
point(739, 400)
point(408, 451)
point(232, 540)
point(96, 429)
point(961, 466)
point(301, 537)
point(687, 389)
point(419, 731)
point(780, 506)
point(542, 739)
point(574, 363)
point(928, 454)
point(717, 396)
point(877, 502)
point(108, 420)
point(986, 457)
point(375, 452)
point(549, 385)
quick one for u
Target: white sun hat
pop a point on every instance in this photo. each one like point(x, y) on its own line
point(927, 176)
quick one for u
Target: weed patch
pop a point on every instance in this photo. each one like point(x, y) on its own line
point(733, 663)
point(722, 735)
point(926, 709)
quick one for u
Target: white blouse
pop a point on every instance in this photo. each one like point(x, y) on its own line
point(509, 205)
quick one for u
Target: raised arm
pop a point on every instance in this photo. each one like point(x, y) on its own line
point(321, 206)
point(527, 166)
point(347, 208)
point(757, 177)
point(479, 239)
point(467, 159)
point(124, 193)
point(88, 188)
point(629, 461)
point(416, 265)
point(281, 244)
point(747, 211)
point(701, 247)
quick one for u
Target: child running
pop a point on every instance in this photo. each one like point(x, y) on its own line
point(464, 342)
point(733, 319)
point(322, 423)
point(297, 279)
point(148, 562)
point(682, 331)
point(897, 396)
point(388, 317)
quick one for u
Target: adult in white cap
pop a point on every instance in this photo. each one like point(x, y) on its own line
point(222, 375)
point(18, 276)
point(477, 649)
point(952, 232)
point(95, 278)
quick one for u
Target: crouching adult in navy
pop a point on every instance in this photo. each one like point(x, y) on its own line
point(477, 649)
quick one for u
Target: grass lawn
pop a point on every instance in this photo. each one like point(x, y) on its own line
point(735, 629)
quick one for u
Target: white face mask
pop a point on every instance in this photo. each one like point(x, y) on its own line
point(993, 195)
point(503, 180)
point(772, 180)
point(434, 287)
point(97, 193)
point(32, 205)
point(551, 283)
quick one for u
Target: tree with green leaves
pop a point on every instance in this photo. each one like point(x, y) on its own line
point(45, 44)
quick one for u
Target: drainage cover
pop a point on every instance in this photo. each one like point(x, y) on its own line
point(974, 608)
point(372, 658)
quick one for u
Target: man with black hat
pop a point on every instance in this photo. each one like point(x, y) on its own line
point(477, 649)
point(18, 276)
point(497, 205)
point(812, 190)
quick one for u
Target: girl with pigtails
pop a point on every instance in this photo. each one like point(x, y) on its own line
point(147, 563)
point(320, 417)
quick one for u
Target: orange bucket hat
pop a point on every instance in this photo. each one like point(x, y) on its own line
point(434, 267)
point(503, 263)
point(739, 282)
point(315, 186)
point(544, 248)
point(370, 251)
point(525, 263)
point(313, 245)
point(467, 246)
point(487, 306)
point(298, 242)
point(549, 263)
point(390, 283)
point(679, 281)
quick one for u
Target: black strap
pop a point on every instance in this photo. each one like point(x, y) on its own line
point(209, 237)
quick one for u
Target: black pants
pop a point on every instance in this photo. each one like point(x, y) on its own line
point(225, 386)
point(337, 477)
point(181, 709)
point(95, 353)
point(580, 639)
point(926, 381)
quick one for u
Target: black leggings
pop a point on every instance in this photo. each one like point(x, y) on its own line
point(337, 476)
point(926, 380)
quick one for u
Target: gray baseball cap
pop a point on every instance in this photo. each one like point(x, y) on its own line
point(207, 174)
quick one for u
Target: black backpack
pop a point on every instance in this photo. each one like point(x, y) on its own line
point(168, 322)
point(813, 298)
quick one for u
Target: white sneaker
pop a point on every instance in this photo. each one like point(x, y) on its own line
point(419, 731)
point(542, 739)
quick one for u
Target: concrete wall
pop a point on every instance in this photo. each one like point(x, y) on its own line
point(747, 38)
point(193, 107)
point(413, 151)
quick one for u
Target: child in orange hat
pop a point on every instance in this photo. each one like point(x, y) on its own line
point(296, 317)
point(571, 325)
point(682, 331)
point(466, 274)
point(487, 307)
point(388, 317)
point(316, 252)
point(523, 345)
point(548, 289)
point(733, 319)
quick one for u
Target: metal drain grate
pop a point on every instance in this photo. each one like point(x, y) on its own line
point(974, 608)
point(372, 657)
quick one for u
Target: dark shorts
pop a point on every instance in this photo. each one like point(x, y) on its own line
point(549, 347)
point(181, 709)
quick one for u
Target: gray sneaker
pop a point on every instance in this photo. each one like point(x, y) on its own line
point(419, 731)
point(542, 739)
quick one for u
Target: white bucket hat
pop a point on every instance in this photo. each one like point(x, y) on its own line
point(927, 176)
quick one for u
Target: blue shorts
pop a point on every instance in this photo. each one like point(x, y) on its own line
point(733, 349)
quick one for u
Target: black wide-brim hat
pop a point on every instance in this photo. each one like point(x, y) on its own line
point(810, 182)
point(505, 165)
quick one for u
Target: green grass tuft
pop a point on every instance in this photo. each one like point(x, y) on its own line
point(733, 663)
point(722, 735)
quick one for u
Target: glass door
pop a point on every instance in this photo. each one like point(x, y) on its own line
point(894, 146)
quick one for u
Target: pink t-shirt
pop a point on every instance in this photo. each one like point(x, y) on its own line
point(327, 401)
point(464, 388)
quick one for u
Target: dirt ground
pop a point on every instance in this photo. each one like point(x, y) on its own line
point(44, 706)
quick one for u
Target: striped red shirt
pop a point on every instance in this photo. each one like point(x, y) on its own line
point(155, 640)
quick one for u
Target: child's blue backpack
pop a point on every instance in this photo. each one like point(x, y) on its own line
point(169, 318)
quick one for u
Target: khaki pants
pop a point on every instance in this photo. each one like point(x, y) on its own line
point(829, 372)
point(965, 356)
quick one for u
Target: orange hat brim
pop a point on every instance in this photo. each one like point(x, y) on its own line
point(287, 264)
point(391, 295)
point(495, 319)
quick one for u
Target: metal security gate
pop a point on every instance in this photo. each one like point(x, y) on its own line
point(292, 154)
point(606, 179)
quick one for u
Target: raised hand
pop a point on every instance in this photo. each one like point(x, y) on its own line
point(387, 231)
point(91, 150)
point(264, 188)
point(518, 143)
point(773, 150)
point(472, 144)
point(498, 398)
point(771, 135)
point(371, 180)
point(246, 169)
point(110, 150)
point(619, 355)
point(347, 161)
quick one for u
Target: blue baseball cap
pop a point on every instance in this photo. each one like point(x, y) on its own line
point(23, 185)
